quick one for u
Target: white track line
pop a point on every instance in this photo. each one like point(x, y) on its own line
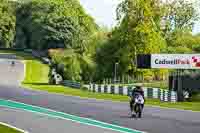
point(10, 126)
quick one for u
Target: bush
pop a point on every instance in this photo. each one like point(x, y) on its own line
point(196, 97)
point(84, 88)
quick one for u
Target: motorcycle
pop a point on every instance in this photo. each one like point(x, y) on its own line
point(138, 105)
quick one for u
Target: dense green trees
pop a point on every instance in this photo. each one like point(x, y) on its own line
point(53, 24)
point(138, 32)
point(183, 42)
point(148, 26)
point(91, 52)
point(43, 25)
point(7, 23)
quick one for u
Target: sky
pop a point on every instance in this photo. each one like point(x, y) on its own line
point(104, 12)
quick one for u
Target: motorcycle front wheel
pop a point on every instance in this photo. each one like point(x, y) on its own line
point(140, 111)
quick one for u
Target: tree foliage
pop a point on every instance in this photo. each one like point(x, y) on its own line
point(76, 66)
point(53, 24)
point(7, 23)
point(138, 33)
point(91, 52)
point(147, 27)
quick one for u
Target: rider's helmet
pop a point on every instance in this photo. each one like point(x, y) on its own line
point(139, 87)
point(137, 90)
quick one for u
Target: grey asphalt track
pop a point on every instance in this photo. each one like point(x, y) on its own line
point(37, 123)
point(11, 76)
point(155, 120)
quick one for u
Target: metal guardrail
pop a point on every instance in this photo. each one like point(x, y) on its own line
point(73, 84)
point(16, 49)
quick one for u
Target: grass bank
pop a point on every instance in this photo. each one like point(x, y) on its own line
point(36, 73)
point(5, 129)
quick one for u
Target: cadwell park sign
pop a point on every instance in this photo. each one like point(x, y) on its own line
point(169, 61)
point(175, 61)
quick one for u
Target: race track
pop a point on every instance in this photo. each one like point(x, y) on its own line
point(38, 123)
point(155, 120)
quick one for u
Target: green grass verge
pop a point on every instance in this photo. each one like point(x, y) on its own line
point(36, 72)
point(5, 129)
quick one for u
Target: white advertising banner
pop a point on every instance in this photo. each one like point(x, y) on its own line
point(175, 61)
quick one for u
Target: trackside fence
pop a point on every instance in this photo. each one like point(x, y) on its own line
point(153, 93)
point(72, 84)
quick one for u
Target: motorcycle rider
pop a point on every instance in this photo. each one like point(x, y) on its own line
point(12, 63)
point(134, 93)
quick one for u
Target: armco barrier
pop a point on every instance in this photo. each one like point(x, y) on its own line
point(14, 49)
point(72, 84)
point(154, 93)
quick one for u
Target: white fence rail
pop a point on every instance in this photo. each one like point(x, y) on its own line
point(154, 93)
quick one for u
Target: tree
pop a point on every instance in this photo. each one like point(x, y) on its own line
point(196, 47)
point(53, 24)
point(60, 24)
point(147, 27)
point(179, 14)
point(138, 31)
point(7, 23)
point(178, 20)
point(76, 65)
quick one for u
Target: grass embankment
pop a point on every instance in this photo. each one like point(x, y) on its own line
point(5, 129)
point(36, 73)
point(37, 78)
